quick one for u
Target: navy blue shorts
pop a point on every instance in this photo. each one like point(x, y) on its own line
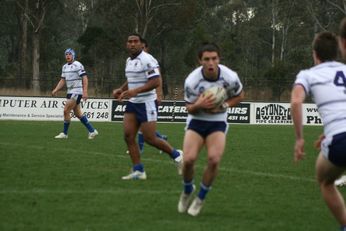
point(145, 112)
point(75, 97)
point(205, 128)
point(337, 150)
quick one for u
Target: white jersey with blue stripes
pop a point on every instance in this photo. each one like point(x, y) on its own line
point(138, 70)
point(326, 83)
point(196, 84)
point(73, 74)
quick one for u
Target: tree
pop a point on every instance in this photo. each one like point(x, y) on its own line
point(8, 43)
point(23, 7)
point(325, 14)
point(266, 41)
point(35, 14)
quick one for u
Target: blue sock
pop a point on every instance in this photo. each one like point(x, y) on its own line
point(175, 154)
point(188, 187)
point(343, 228)
point(203, 191)
point(66, 125)
point(158, 134)
point(164, 137)
point(138, 167)
point(86, 123)
point(140, 139)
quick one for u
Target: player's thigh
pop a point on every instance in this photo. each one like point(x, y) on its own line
point(193, 142)
point(78, 111)
point(148, 129)
point(215, 144)
point(130, 125)
point(326, 171)
point(70, 104)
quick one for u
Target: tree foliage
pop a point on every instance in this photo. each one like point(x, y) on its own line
point(266, 41)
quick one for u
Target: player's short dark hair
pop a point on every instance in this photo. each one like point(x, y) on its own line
point(137, 35)
point(325, 45)
point(208, 46)
point(342, 28)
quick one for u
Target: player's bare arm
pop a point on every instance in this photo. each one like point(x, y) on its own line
point(58, 87)
point(117, 92)
point(203, 102)
point(159, 92)
point(297, 99)
point(234, 101)
point(151, 84)
point(85, 87)
point(231, 102)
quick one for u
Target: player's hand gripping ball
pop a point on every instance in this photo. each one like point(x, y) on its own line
point(219, 94)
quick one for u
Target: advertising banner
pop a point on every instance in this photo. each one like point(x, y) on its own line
point(310, 115)
point(280, 113)
point(37, 108)
point(272, 113)
point(239, 114)
point(170, 111)
point(51, 108)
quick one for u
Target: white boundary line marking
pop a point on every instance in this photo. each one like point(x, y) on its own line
point(88, 191)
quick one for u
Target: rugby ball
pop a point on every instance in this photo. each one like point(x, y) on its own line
point(218, 92)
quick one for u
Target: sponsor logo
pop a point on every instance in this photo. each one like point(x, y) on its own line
point(273, 114)
point(239, 114)
point(313, 120)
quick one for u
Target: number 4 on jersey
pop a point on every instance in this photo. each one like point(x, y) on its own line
point(340, 79)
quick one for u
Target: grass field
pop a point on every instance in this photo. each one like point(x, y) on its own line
point(74, 184)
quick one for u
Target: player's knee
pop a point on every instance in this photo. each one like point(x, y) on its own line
point(214, 161)
point(188, 161)
point(129, 138)
point(66, 111)
point(326, 186)
point(126, 138)
point(324, 181)
point(78, 115)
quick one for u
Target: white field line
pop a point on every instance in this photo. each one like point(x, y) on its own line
point(222, 169)
point(88, 191)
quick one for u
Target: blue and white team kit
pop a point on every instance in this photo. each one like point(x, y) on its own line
point(73, 74)
point(202, 122)
point(138, 71)
point(326, 82)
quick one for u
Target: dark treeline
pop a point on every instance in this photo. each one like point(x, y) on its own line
point(266, 41)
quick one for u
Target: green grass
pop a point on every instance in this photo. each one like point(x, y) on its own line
point(74, 184)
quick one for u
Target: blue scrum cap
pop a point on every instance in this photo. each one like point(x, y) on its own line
point(71, 51)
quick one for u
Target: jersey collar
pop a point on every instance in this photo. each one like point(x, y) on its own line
point(136, 55)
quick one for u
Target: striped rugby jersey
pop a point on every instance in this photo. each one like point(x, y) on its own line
point(326, 83)
point(73, 74)
point(196, 84)
point(138, 70)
